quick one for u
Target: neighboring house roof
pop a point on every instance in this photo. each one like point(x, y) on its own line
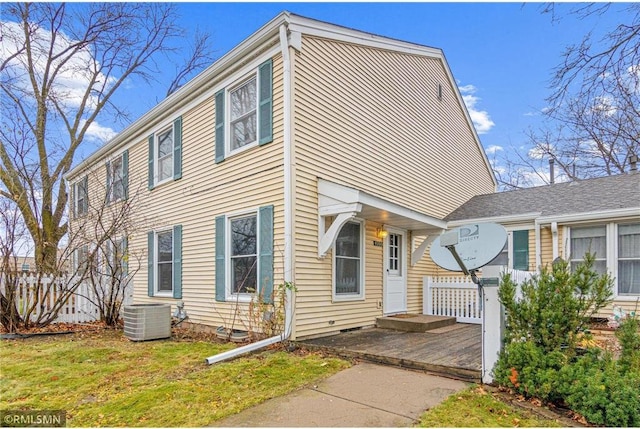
point(580, 196)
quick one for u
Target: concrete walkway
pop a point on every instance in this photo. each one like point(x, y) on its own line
point(365, 395)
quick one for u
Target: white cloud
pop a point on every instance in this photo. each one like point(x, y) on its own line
point(491, 150)
point(74, 76)
point(480, 118)
point(536, 153)
point(98, 133)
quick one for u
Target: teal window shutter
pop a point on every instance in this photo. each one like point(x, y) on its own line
point(85, 194)
point(150, 256)
point(72, 195)
point(265, 263)
point(220, 259)
point(177, 261)
point(125, 173)
point(151, 139)
point(109, 180)
point(177, 148)
point(220, 126)
point(521, 250)
point(265, 104)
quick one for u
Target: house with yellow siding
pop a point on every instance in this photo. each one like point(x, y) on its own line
point(567, 220)
point(310, 153)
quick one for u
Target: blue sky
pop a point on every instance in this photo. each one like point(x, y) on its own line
point(501, 54)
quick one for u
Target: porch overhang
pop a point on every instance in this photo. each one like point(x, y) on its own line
point(345, 203)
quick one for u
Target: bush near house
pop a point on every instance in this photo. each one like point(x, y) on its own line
point(542, 357)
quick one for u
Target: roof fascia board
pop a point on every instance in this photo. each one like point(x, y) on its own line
point(207, 79)
point(590, 216)
point(469, 121)
point(496, 219)
point(334, 32)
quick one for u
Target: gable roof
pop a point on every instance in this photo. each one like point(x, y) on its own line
point(268, 36)
point(580, 196)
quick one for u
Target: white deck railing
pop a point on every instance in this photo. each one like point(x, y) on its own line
point(458, 296)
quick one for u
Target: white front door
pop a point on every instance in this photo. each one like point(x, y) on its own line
point(395, 272)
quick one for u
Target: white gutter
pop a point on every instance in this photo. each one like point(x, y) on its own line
point(288, 219)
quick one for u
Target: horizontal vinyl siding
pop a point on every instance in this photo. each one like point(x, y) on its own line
point(244, 181)
point(356, 121)
point(370, 119)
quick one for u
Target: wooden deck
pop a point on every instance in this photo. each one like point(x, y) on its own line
point(452, 351)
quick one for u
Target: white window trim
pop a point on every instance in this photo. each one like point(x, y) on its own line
point(351, 297)
point(156, 163)
point(111, 246)
point(611, 231)
point(240, 297)
point(156, 277)
point(227, 114)
point(110, 197)
point(76, 256)
point(76, 187)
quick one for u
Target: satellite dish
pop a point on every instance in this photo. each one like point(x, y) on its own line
point(476, 245)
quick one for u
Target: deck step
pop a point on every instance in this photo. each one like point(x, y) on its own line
point(414, 322)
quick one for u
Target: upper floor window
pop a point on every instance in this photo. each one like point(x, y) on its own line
point(244, 113)
point(165, 154)
point(348, 262)
point(80, 197)
point(117, 177)
point(25, 268)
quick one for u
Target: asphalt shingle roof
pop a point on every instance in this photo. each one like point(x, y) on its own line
point(580, 196)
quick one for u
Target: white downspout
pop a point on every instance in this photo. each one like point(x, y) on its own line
point(538, 247)
point(288, 219)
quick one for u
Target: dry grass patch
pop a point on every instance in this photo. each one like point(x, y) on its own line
point(103, 379)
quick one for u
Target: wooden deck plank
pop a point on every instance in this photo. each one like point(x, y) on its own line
point(453, 352)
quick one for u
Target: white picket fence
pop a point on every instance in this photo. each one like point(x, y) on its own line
point(458, 296)
point(79, 307)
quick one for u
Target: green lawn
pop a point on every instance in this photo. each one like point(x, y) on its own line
point(475, 407)
point(103, 379)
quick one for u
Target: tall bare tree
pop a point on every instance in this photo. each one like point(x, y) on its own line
point(593, 122)
point(60, 66)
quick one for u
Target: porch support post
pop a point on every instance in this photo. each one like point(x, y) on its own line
point(492, 322)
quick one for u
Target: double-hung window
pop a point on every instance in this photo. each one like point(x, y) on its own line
point(244, 112)
point(590, 239)
point(629, 259)
point(244, 255)
point(616, 247)
point(116, 260)
point(165, 154)
point(117, 177)
point(164, 271)
point(80, 197)
point(81, 258)
point(348, 262)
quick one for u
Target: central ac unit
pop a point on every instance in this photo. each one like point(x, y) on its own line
point(144, 322)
